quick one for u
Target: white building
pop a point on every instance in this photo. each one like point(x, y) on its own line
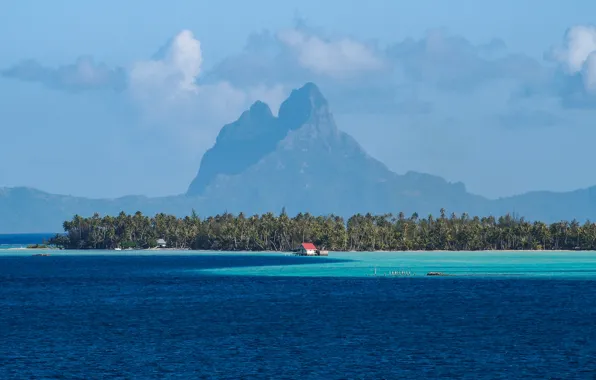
point(307, 249)
point(161, 243)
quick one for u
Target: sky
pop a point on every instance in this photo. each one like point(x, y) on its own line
point(111, 98)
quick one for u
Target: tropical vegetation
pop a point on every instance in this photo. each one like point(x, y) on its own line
point(38, 246)
point(269, 232)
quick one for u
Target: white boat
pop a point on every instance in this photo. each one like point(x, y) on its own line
point(117, 249)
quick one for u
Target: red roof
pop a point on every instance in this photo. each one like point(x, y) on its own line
point(309, 246)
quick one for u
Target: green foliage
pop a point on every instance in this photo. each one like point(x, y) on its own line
point(269, 232)
point(37, 246)
point(60, 241)
point(128, 245)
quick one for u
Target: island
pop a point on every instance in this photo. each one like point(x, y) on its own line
point(39, 246)
point(360, 232)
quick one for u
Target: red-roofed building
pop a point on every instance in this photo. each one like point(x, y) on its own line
point(307, 249)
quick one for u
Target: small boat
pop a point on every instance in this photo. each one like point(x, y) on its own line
point(436, 274)
point(118, 249)
point(40, 254)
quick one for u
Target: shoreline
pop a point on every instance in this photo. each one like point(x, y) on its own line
point(285, 253)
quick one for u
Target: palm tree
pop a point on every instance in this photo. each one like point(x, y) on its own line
point(360, 232)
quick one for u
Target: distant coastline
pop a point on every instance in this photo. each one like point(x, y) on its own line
point(282, 233)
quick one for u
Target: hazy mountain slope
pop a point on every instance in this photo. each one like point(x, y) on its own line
point(254, 134)
point(552, 206)
point(29, 210)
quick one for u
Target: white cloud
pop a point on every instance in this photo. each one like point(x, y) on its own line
point(85, 74)
point(578, 54)
point(589, 72)
point(451, 62)
point(172, 81)
point(175, 75)
point(167, 88)
point(339, 59)
point(580, 42)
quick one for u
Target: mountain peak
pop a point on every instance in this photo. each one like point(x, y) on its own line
point(302, 105)
point(260, 108)
point(310, 91)
point(258, 132)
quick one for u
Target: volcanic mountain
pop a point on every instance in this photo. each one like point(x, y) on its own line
point(300, 160)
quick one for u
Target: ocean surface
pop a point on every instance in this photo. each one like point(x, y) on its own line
point(141, 315)
point(22, 240)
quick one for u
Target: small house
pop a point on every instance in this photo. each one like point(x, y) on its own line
point(307, 249)
point(161, 243)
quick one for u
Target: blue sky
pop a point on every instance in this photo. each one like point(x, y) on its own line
point(110, 98)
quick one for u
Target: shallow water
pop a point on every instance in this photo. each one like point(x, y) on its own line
point(564, 264)
point(501, 263)
point(148, 315)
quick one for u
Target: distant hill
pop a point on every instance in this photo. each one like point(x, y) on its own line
point(28, 210)
point(551, 206)
point(300, 161)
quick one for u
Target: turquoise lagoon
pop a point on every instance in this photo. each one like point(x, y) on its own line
point(405, 264)
point(576, 264)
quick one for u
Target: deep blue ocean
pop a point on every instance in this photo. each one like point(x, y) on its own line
point(23, 239)
point(142, 317)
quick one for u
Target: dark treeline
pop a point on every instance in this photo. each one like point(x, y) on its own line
point(269, 232)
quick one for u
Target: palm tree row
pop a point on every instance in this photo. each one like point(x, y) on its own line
point(269, 232)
